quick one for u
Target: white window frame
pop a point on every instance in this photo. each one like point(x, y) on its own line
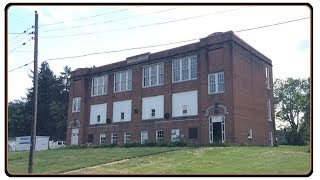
point(127, 137)
point(249, 133)
point(104, 86)
point(76, 104)
point(146, 75)
point(114, 138)
point(215, 81)
point(269, 109)
point(191, 68)
point(125, 83)
point(158, 137)
point(103, 135)
point(267, 77)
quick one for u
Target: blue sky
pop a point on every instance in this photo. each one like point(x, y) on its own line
point(286, 44)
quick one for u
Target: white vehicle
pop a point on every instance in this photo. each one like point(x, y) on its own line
point(56, 144)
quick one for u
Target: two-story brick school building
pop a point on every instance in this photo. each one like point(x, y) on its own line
point(219, 89)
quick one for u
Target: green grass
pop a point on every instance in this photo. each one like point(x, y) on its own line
point(203, 160)
point(62, 160)
point(216, 160)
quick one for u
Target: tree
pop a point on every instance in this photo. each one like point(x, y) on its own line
point(53, 95)
point(291, 104)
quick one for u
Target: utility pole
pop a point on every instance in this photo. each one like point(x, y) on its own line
point(35, 95)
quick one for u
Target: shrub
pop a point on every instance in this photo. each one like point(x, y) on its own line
point(74, 146)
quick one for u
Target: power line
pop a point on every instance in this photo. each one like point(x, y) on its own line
point(20, 45)
point(141, 26)
point(19, 34)
point(285, 22)
point(20, 66)
point(60, 22)
point(113, 51)
point(105, 22)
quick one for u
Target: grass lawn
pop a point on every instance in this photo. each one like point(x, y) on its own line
point(203, 160)
point(62, 160)
point(215, 160)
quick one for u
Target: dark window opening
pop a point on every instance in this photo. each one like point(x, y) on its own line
point(98, 118)
point(90, 138)
point(122, 116)
point(193, 133)
point(153, 112)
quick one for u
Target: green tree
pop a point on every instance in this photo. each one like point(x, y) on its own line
point(53, 94)
point(291, 104)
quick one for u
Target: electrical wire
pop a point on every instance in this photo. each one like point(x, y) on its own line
point(20, 45)
point(142, 26)
point(113, 51)
point(60, 22)
point(275, 24)
point(21, 66)
point(109, 21)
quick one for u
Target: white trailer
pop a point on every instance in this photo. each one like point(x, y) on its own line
point(23, 143)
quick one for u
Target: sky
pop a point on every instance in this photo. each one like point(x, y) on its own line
point(77, 30)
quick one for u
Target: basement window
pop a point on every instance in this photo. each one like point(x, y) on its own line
point(249, 133)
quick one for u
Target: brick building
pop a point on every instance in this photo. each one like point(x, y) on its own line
point(219, 89)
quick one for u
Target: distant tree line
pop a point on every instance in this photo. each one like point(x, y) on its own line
point(53, 92)
point(292, 107)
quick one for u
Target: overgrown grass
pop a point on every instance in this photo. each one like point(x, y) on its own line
point(216, 160)
point(61, 160)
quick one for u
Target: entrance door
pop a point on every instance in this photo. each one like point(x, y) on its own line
point(216, 129)
point(144, 137)
point(74, 136)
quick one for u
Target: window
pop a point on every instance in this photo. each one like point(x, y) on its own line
point(249, 133)
point(159, 136)
point(153, 112)
point(152, 107)
point(121, 111)
point(184, 109)
point(193, 133)
point(99, 85)
point(267, 78)
point(185, 104)
point(268, 110)
point(76, 104)
point(90, 138)
point(216, 83)
point(175, 135)
point(123, 81)
point(122, 116)
point(114, 138)
point(184, 69)
point(127, 137)
point(144, 137)
point(98, 113)
point(102, 138)
point(153, 75)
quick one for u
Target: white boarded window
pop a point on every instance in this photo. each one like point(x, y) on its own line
point(153, 107)
point(185, 104)
point(99, 85)
point(98, 113)
point(184, 69)
point(123, 81)
point(76, 104)
point(121, 111)
point(153, 75)
point(216, 83)
point(102, 138)
point(267, 78)
point(175, 135)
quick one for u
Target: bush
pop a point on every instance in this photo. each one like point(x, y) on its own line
point(178, 144)
point(134, 144)
point(74, 147)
